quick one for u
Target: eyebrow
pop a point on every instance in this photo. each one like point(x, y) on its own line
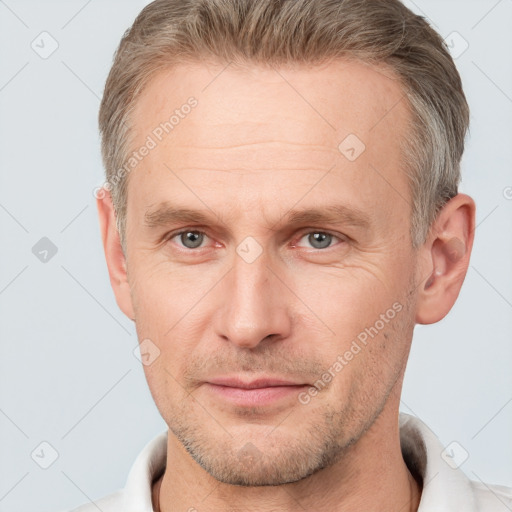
point(331, 214)
point(165, 214)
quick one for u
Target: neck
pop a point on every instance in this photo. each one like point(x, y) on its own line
point(371, 476)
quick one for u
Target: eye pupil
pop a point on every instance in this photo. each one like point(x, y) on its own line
point(191, 239)
point(320, 240)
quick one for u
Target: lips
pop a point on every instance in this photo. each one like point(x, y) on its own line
point(262, 392)
point(266, 382)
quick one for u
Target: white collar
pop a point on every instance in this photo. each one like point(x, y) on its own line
point(445, 488)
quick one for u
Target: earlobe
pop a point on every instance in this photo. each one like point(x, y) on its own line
point(116, 261)
point(445, 259)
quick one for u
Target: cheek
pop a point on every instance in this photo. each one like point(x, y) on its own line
point(168, 313)
point(365, 367)
point(162, 294)
point(346, 300)
point(361, 323)
point(165, 388)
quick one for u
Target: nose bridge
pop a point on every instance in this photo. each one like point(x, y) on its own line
point(253, 307)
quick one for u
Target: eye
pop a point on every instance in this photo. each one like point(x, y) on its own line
point(190, 239)
point(320, 239)
point(193, 239)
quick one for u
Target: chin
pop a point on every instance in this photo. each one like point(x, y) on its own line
point(274, 462)
point(258, 475)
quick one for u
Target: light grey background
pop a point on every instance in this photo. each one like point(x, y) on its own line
point(68, 375)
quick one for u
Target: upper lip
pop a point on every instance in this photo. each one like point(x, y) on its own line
point(262, 382)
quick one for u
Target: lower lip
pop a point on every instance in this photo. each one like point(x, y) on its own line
point(254, 397)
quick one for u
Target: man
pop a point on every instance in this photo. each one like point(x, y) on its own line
point(280, 210)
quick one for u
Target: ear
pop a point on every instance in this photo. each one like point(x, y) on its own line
point(116, 261)
point(444, 259)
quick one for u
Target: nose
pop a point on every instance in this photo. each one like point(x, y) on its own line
point(254, 305)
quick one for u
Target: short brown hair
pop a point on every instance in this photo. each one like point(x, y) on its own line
point(170, 32)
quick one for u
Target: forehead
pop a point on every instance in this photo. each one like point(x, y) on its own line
point(257, 121)
point(324, 101)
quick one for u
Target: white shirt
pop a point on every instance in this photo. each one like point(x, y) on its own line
point(445, 487)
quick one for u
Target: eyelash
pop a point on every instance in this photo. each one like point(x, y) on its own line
point(309, 231)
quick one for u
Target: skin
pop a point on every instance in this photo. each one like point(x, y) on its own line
point(259, 143)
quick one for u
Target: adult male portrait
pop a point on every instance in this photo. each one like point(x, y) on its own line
point(281, 210)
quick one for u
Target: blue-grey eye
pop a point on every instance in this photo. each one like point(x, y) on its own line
point(191, 239)
point(320, 240)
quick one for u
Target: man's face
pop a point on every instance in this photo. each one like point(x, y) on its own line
point(257, 294)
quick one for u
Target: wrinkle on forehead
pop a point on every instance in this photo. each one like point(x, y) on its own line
point(317, 105)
